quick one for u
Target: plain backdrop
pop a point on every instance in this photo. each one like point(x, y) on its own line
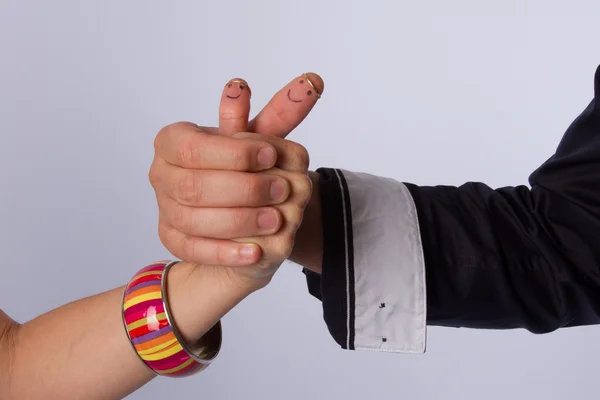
point(429, 92)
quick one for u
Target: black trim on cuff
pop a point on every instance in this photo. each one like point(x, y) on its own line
point(313, 281)
point(337, 278)
point(349, 254)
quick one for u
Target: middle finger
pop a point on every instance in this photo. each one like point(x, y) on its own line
point(221, 223)
point(206, 188)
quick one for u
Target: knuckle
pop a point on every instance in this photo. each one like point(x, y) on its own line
point(237, 220)
point(179, 216)
point(163, 235)
point(167, 237)
point(231, 115)
point(280, 111)
point(160, 136)
point(243, 135)
point(168, 131)
point(188, 153)
point(302, 188)
point(153, 175)
point(293, 215)
point(240, 159)
point(251, 189)
point(301, 156)
point(282, 247)
point(220, 255)
point(188, 248)
point(190, 187)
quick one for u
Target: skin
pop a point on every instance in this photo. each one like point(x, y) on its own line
point(67, 354)
point(302, 90)
point(235, 88)
point(308, 246)
point(213, 216)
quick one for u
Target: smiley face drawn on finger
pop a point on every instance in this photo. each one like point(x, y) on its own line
point(303, 92)
point(235, 89)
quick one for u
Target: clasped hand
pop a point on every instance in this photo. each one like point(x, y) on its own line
point(234, 196)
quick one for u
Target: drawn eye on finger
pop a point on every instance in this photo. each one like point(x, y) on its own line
point(235, 88)
point(305, 90)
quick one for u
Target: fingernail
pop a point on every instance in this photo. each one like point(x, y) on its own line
point(247, 251)
point(278, 190)
point(266, 157)
point(267, 220)
point(240, 83)
point(316, 84)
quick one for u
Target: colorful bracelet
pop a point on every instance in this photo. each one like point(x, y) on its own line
point(151, 329)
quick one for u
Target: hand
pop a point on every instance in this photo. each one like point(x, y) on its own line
point(210, 195)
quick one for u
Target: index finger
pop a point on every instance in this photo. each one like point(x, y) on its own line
point(289, 107)
point(189, 146)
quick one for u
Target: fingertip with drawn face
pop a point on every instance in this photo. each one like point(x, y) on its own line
point(235, 107)
point(308, 87)
point(289, 107)
point(235, 88)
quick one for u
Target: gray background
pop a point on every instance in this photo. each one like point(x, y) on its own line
point(430, 92)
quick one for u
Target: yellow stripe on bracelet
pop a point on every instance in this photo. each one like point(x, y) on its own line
point(141, 299)
point(148, 323)
point(157, 348)
point(153, 319)
point(169, 351)
point(144, 274)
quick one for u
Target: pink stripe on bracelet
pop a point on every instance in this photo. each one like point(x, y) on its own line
point(145, 312)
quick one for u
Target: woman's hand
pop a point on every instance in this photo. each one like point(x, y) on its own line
point(231, 197)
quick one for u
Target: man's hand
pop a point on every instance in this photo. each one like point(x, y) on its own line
point(233, 198)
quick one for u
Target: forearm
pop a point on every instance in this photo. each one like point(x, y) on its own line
point(308, 246)
point(81, 350)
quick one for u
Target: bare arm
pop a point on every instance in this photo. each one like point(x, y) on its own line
point(81, 349)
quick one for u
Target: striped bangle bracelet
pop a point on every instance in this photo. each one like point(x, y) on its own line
point(152, 331)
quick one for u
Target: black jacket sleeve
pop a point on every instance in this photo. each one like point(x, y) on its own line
point(517, 257)
point(398, 256)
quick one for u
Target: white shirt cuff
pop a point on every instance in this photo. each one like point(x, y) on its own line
point(373, 280)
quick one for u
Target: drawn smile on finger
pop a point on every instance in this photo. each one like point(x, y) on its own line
point(232, 86)
point(308, 92)
point(295, 101)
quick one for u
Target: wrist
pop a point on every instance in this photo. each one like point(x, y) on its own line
point(225, 282)
point(200, 295)
point(308, 246)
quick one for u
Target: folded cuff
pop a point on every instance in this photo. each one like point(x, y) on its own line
point(372, 284)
